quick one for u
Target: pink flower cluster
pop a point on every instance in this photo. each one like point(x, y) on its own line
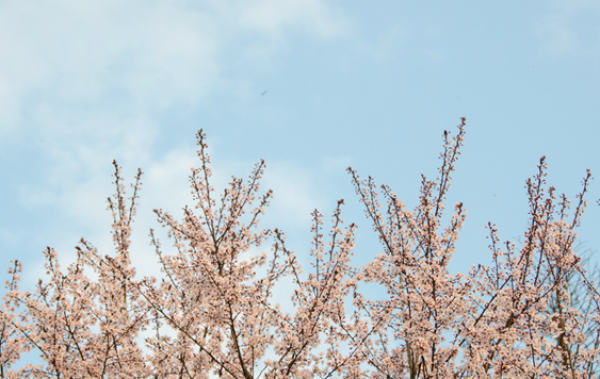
point(515, 319)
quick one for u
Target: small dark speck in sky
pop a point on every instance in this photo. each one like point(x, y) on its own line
point(263, 93)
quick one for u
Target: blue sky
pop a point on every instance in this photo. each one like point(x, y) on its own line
point(348, 83)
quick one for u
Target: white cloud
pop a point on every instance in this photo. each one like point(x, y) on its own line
point(88, 80)
point(567, 27)
point(294, 193)
point(69, 55)
point(313, 16)
point(135, 56)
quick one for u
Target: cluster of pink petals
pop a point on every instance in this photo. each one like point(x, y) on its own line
point(515, 319)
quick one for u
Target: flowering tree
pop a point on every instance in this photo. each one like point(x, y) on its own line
point(213, 315)
point(509, 335)
point(577, 290)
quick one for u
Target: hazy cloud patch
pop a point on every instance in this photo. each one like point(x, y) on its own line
point(90, 81)
point(570, 27)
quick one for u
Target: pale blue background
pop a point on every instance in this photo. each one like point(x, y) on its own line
point(370, 85)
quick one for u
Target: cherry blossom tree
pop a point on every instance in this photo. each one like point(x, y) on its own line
point(509, 335)
point(213, 314)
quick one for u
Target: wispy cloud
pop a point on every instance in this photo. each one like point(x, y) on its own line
point(137, 56)
point(567, 27)
point(88, 82)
